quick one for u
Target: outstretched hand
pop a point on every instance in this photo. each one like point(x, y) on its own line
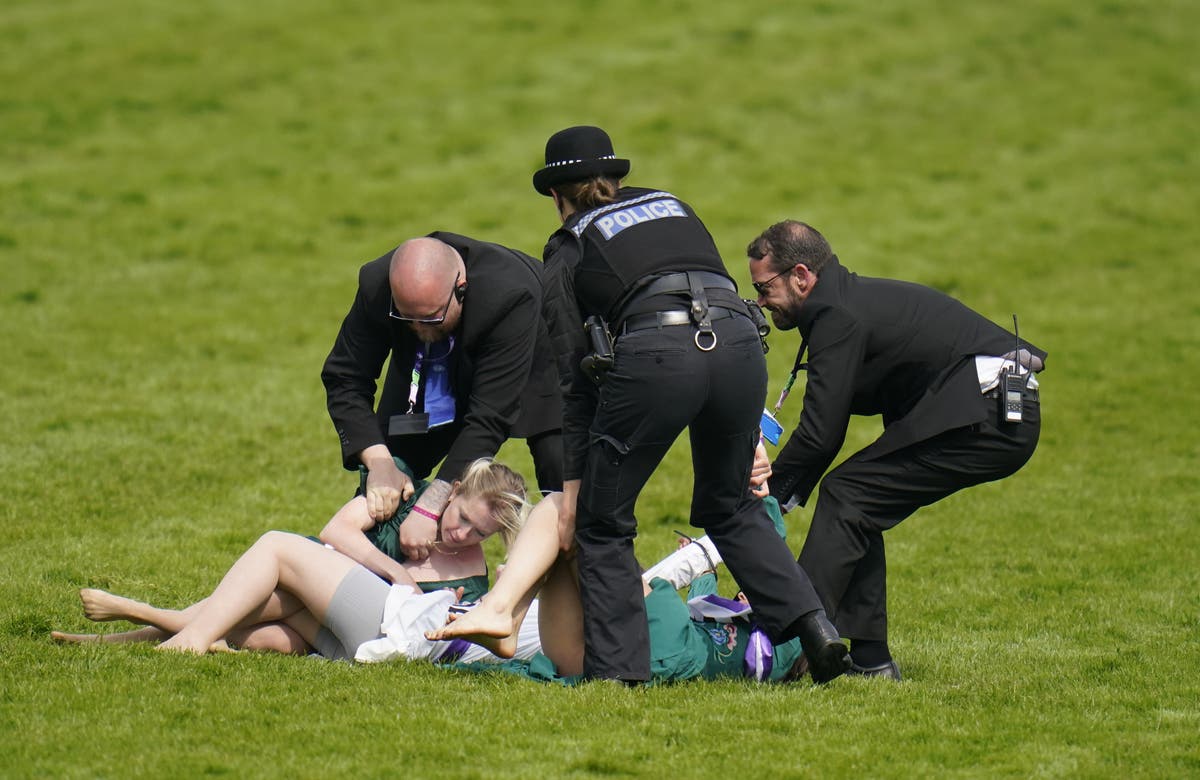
point(760, 472)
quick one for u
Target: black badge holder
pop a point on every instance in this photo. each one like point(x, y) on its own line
point(407, 424)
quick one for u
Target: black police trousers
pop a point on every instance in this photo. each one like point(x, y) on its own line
point(865, 496)
point(660, 384)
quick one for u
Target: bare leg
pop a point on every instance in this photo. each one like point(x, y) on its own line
point(145, 634)
point(102, 606)
point(295, 634)
point(291, 563)
point(500, 612)
point(560, 614)
point(270, 638)
point(260, 632)
point(560, 618)
point(263, 637)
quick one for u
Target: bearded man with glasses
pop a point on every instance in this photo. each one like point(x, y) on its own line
point(955, 391)
point(470, 366)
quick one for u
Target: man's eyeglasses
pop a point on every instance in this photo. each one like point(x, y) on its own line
point(764, 286)
point(436, 319)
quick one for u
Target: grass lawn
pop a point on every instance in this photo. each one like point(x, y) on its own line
point(187, 191)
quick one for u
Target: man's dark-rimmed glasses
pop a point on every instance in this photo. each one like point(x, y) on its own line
point(762, 287)
point(436, 319)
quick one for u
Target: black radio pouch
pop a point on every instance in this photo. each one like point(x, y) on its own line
point(760, 322)
point(596, 365)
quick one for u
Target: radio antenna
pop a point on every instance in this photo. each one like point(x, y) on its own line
point(1017, 352)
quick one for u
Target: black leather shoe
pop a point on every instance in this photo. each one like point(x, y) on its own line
point(887, 670)
point(828, 656)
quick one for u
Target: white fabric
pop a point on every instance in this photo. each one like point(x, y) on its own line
point(988, 370)
point(685, 564)
point(408, 614)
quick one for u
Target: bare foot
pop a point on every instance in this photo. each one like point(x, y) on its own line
point(102, 606)
point(177, 645)
point(147, 634)
point(491, 630)
point(75, 639)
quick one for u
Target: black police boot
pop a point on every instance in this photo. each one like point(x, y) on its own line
point(828, 656)
point(887, 670)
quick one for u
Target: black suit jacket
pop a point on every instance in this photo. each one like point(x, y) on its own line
point(879, 346)
point(502, 369)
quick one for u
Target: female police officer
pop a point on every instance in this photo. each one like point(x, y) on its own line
point(640, 265)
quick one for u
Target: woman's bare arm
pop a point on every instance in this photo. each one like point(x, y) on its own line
point(344, 532)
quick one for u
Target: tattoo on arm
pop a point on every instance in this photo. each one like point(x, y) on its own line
point(435, 497)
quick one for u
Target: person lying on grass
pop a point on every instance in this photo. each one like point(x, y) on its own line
point(287, 593)
point(709, 637)
point(290, 617)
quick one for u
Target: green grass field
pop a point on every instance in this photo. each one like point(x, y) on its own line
point(187, 191)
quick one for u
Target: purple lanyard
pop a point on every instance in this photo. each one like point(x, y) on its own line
point(415, 381)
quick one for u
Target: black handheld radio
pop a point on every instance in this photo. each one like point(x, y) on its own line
point(1012, 385)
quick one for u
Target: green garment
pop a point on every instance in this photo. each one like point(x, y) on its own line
point(773, 510)
point(473, 587)
point(386, 536)
point(726, 648)
point(680, 648)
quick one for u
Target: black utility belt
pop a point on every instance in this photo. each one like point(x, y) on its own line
point(664, 319)
point(679, 282)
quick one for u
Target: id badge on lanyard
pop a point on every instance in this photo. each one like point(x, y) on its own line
point(439, 397)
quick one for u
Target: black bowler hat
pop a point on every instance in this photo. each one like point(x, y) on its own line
point(578, 153)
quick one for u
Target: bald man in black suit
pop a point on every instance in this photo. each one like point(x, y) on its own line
point(466, 315)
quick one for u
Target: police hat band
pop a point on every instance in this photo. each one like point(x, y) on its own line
point(572, 162)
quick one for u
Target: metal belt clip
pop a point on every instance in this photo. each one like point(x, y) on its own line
point(699, 311)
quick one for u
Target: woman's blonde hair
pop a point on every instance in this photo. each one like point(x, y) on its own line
point(502, 489)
